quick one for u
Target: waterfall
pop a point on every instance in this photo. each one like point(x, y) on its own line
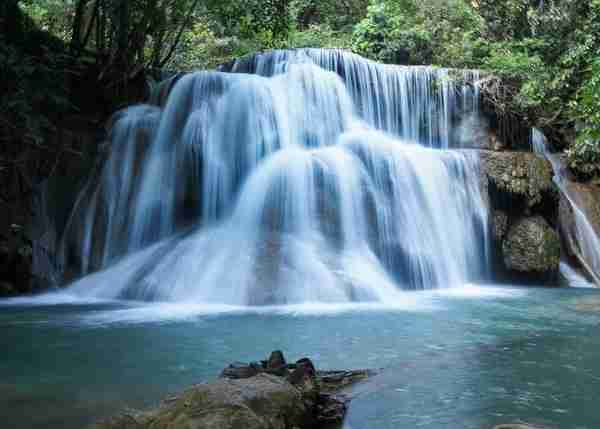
point(290, 176)
point(583, 235)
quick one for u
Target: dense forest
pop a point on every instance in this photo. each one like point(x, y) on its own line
point(66, 65)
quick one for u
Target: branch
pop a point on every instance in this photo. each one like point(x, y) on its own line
point(179, 34)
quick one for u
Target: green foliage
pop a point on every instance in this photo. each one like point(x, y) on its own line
point(584, 154)
point(583, 157)
point(33, 76)
point(267, 19)
point(52, 16)
point(334, 15)
point(224, 30)
point(418, 32)
point(319, 36)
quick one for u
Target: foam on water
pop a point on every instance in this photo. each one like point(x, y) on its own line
point(97, 312)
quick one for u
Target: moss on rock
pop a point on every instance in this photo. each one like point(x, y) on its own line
point(261, 402)
point(532, 246)
point(522, 175)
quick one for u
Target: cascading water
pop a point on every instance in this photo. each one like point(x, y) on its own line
point(584, 236)
point(297, 176)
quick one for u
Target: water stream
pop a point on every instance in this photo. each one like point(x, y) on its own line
point(585, 237)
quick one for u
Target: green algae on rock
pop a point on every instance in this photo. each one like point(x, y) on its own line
point(532, 246)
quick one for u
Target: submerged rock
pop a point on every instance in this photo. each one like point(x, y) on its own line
point(518, 426)
point(248, 396)
point(532, 246)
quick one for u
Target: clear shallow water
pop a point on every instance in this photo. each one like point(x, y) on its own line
point(461, 358)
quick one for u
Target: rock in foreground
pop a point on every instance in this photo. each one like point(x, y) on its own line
point(269, 395)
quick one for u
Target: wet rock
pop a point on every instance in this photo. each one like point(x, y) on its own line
point(331, 409)
point(239, 370)
point(520, 175)
point(247, 396)
point(587, 199)
point(532, 246)
point(333, 381)
point(260, 402)
point(276, 364)
point(500, 224)
point(276, 360)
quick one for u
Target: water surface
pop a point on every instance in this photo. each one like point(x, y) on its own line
point(470, 357)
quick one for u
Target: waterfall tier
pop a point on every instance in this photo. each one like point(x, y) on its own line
point(295, 176)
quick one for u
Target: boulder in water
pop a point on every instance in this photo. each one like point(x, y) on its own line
point(261, 402)
point(532, 247)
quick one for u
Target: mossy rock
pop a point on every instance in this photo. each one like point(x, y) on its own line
point(522, 175)
point(532, 247)
point(261, 402)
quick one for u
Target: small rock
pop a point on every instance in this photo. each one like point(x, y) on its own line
point(331, 409)
point(308, 366)
point(304, 370)
point(276, 360)
point(517, 426)
point(276, 364)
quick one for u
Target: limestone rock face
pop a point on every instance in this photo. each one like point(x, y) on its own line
point(532, 246)
point(522, 175)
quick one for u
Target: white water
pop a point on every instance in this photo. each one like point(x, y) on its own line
point(321, 178)
point(586, 238)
